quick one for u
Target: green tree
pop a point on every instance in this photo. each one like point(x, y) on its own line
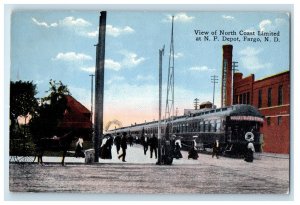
point(22, 101)
point(51, 111)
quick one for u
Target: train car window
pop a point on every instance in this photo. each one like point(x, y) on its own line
point(206, 126)
point(202, 126)
point(224, 109)
point(213, 126)
point(218, 125)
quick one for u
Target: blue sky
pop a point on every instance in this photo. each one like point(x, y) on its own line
point(59, 45)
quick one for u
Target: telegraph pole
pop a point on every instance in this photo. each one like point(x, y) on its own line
point(214, 80)
point(196, 101)
point(92, 95)
point(99, 84)
point(161, 53)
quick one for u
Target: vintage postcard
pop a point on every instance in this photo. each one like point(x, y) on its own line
point(150, 102)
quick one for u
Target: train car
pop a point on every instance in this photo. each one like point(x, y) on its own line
point(230, 125)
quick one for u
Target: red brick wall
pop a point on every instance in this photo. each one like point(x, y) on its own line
point(276, 135)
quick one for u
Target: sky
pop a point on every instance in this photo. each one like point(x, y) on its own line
point(59, 45)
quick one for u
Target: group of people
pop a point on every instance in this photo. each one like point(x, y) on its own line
point(120, 142)
point(151, 141)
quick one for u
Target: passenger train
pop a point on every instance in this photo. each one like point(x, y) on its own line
point(233, 126)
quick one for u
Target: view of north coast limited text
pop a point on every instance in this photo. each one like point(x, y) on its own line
point(149, 102)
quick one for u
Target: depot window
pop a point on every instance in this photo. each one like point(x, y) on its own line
point(269, 97)
point(259, 98)
point(280, 95)
point(279, 120)
point(268, 121)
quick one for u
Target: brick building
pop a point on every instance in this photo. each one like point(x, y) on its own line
point(76, 118)
point(271, 95)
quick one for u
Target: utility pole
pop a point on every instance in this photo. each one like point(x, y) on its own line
point(196, 101)
point(92, 95)
point(99, 84)
point(214, 80)
point(234, 69)
point(161, 53)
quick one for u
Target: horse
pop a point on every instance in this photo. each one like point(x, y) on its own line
point(56, 144)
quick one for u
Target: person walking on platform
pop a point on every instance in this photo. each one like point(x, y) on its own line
point(193, 151)
point(79, 148)
point(216, 149)
point(153, 146)
point(117, 142)
point(145, 143)
point(249, 152)
point(177, 153)
point(123, 146)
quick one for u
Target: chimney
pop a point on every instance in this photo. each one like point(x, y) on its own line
point(226, 91)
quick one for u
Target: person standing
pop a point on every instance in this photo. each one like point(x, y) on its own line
point(249, 152)
point(193, 151)
point(153, 146)
point(123, 146)
point(216, 149)
point(145, 143)
point(118, 142)
point(79, 148)
point(177, 154)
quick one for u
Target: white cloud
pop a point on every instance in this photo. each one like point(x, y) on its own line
point(116, 31)
point(73, 22)
point(250, 59)
point(113, 65)
point(91, 34)
point(227, 17)
point(131, 59)
point(88, 69)
point(110, 30)
point(201, 68)
point(268, 25)
point(69, 21)
point(180, 17)
point(43, 24)
point(178, 55)
point(72, 56)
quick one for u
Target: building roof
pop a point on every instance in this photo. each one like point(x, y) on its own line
point(275, 75)
point(76, 115)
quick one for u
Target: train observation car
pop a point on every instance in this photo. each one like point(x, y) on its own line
point(233, 126)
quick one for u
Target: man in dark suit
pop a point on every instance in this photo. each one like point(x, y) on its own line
point(123, 146)
point(153, 146)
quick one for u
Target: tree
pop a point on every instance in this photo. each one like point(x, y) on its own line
point(22, 101)
point(51, 111)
